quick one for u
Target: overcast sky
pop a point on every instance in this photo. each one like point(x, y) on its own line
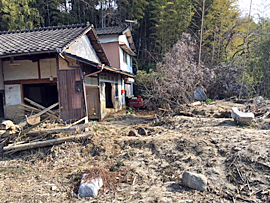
point(258, 7)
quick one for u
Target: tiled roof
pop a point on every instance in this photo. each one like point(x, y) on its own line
point(117, 30)
point(111, 30)
point(39, 40)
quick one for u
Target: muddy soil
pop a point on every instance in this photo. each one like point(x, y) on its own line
point(203, 139)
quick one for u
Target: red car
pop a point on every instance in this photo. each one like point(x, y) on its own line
point(136, 102)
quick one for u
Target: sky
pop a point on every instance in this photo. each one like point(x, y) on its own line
point(258, 8)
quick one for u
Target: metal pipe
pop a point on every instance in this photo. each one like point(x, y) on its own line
point(89, 75)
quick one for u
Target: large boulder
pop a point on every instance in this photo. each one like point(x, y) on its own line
point(194, 181)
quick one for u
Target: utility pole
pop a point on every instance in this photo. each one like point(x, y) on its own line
point(245, 52)
point(201, 37)
point(48, 10)
point(130, 23)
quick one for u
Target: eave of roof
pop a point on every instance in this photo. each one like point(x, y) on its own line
point(127, 49)
point(80, 59)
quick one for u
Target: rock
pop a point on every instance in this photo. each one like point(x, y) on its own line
point(258, 100)
point(89, 188)
point(194, 181)
point(199, 95)
point(241, 117)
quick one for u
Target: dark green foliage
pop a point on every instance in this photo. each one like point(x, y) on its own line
point(227, 37)
point(18, 14)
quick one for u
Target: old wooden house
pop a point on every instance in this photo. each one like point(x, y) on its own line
point(59, 64)
point(119, 47)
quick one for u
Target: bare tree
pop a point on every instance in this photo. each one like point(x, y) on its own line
point(175, 80)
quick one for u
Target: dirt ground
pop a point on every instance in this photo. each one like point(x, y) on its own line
point(201, 139)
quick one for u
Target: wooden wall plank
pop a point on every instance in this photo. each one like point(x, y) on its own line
point(71, 101)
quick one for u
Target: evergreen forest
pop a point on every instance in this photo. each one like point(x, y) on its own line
point(181, 45)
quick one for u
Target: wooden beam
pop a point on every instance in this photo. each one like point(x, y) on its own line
point(35, 109)
point(48, 109)
point(39, 71)
point(37, 105)
point(30, 81)
point(33, 145)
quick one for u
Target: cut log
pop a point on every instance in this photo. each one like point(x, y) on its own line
point(58, 130)
point(241, 117)
point(51, 142)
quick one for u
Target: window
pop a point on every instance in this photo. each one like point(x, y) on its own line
point(125, 56)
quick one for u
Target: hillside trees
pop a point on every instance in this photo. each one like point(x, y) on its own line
point(171, 18)
point(18, 14)
point(227, 37)
point(258, 63)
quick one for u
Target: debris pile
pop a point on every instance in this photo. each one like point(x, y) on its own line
point(41, 127)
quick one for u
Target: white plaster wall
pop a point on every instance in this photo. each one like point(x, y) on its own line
point(108, 38)
point(48, 68)
point(1, 76)
point(123, 39)
point(119, 86)
point(13, 95)
point(125, 66)
point(24, 69)
point(83, 48)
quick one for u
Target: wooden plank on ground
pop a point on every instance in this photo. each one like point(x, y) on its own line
point(51, 142)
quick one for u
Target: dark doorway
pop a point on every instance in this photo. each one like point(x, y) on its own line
point(44, 94)
point(108, 95)
point(1, 105)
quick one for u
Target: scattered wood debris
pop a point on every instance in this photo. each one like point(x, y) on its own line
point(41, 127)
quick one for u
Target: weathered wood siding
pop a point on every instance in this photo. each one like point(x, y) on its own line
point(1, 76)
point(93, 101)
point(71, 101)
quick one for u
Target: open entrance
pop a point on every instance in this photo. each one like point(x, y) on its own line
point(1, 105)
point(44, 94)
point(108, 95)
